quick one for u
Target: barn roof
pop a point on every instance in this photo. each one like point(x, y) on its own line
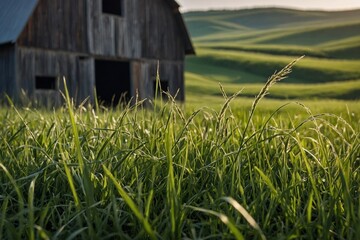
point(14, 14)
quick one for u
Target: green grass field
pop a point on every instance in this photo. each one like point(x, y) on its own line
point(241, 49)
point(228, 172)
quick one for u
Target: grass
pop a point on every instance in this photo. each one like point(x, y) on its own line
point(266, 18)
point(241, 48)
point(323, 70)
point(316, 36)
point(208, 85)
point(172, 173)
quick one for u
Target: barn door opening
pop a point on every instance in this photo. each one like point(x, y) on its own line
point(112, 81)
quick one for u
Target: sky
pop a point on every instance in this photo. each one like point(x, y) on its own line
point(188, 5)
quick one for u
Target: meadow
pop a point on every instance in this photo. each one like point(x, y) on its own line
point(241, 48)
point(262, 155)
point(169, 173)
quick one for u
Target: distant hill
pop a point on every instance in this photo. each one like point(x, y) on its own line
point(314, 33)
point(210, 22)
point(248, 45)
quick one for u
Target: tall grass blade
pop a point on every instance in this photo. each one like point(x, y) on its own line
point(131, 204)
point(85, 172)
point(20, 200)
point(31, 210)
point(267, 181)
point(237, 234)
point(74, 127)
point(72, 185)
point(246, 215)
point(171, 191)
point(276, 77)
point(309, 207)
point(75, 234)
point(4, 209)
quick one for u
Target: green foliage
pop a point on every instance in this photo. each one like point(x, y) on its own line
point(168, 173)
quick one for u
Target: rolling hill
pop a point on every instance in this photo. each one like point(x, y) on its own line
point(246, 46)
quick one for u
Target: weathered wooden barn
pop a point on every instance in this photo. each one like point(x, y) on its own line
point(112, 46)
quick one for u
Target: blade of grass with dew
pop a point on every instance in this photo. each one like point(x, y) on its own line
point(267, 181)
point(246, 215)
point(4, 209)
point(171, 191)
point(85, 172)
point(42, 233)
point(74, 127)
point(131, 204)
point(84, 169)
point(31, 210)
point(237, 234)
point(70, 180)
point(151, 194)
point(20, 198)
point(76, 233)
point(309, 207)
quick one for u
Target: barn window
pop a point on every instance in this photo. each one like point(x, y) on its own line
point(45, 83)
point(164, 87)
point(113, 7)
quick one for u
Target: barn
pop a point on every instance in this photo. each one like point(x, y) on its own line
point(111, 46)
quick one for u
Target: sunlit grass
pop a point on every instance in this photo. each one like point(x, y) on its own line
point(310, 70)
point(209, 86)
point(239, 171)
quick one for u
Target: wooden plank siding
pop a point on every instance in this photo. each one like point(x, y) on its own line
point(47, 63)
point(58, 25)
point(169, 71)
point(147, 29)
point(85, 79)
point(163, 36)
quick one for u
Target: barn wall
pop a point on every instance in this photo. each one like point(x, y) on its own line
point(77, 70)
point(145, 74)
point(148, 30)
point(109, 35)
point(7, 71)
point(161, 36)
point(85, 79)
point(173, 73)
point(57, 24)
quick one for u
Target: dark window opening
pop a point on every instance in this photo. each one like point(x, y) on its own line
point(45, 83)
point(113, 7)
point(113, 82)
point(164, 87)
point(83, 57)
